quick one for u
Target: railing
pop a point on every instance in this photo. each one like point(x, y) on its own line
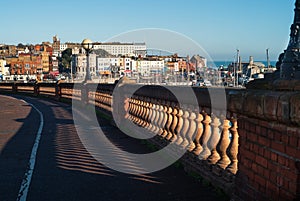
point(215, 137)
point(211, 139)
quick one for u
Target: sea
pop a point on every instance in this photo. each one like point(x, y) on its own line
point(216, 64)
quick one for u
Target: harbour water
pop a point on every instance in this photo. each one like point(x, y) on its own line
point(214, 64)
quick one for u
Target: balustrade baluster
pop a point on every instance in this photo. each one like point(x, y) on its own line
point(135, 110)
point(214, 140)
point(223, 145)
point(140, 112)
point(199, 133)
point(164, 119)
point(156, 117)
point(140, 120)
point(139, 102)
point(152, 116)
point(206, 135)
point(169, 121)
point(233, 147)
point(179, 127)
point(172, 136)
point(186, 124)
point(101, 98)
point(104, 100)
point(159, 118)
point(192, 129)
point(150, 113)
point(146, 113)
point(131, 108)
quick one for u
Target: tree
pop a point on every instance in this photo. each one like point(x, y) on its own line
point(65, 60)
point(20, 45)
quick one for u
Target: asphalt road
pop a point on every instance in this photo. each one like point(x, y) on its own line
point(64, 170)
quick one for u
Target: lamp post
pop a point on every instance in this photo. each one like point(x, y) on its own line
point(290, 68)
point(87, 44)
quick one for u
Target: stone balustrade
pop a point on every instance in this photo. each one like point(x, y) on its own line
point(210, 139)
point(207, 136)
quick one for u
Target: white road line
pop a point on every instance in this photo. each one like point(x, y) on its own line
point(22, 196)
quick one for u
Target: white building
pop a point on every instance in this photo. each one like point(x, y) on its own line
point(54, 64)
point(63, 47)
point(127, 49)
point(104, 66)
point(150, 67)
point(79, 63)
point(3, 70)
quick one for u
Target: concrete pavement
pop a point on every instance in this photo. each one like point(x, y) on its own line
point(64, 170)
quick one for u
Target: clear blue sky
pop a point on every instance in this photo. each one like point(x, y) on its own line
point(219, 26)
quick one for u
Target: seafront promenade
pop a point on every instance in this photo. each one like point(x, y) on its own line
point(177, 142)
point(64, 170)
point(252, 149)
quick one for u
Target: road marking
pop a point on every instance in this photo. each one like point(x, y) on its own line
point(22, 196)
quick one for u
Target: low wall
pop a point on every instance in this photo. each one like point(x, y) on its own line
point(269, 151)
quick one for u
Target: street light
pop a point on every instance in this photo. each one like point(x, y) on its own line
point(87, 44)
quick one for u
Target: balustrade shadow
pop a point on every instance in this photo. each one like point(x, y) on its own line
point(65, 170)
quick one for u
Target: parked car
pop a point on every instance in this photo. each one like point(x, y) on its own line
point(207, 83)
point(202, 82)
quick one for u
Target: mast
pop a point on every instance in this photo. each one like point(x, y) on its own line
point(237, 65)
point(268, 59)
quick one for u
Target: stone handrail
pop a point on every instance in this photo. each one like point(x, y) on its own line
point(218, 134)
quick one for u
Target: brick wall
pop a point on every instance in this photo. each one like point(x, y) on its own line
point(269, 147)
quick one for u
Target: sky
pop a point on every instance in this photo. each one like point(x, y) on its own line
point(217, 27)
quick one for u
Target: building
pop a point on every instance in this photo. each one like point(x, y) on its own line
point(198, 62)
point(63, 47)
point(8, 50)
point(178, 66)
point(25, 64)
point(79, 63)
point(56, 46)
point(123, 49)
point(247, 68)
point(55, 62)
point(4, 70)
point(73, 45)
point(105, 66)
point(47, 67)
point(146, 67)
